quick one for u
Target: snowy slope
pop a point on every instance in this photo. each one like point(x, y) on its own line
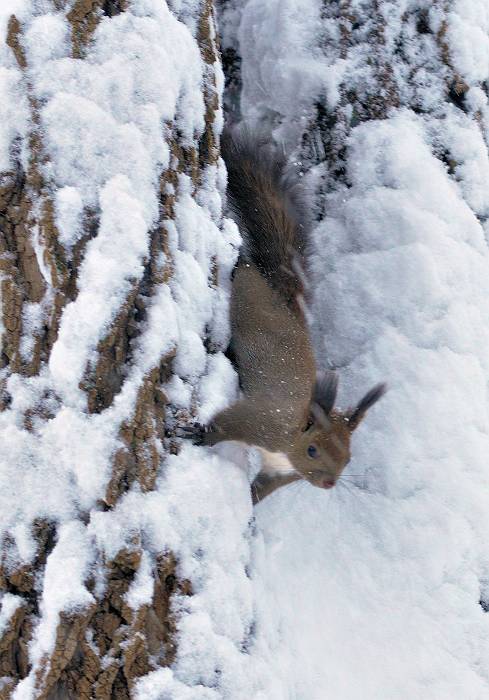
point(372, 591)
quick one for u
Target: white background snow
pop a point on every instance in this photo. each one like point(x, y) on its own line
point(371, 591)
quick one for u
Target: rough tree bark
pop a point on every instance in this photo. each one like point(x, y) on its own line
point(408, 57)
point(375, 56)
point(103, 645)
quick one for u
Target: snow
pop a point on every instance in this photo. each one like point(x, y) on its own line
point(162, 685)
point(395, 556)
point(141, 589)
point(104, 123)
point(69, 215)
point(119, 250)
point(102, 119)
point(13, 102)
point(162, 333)
point(468, 37)
point(217, 386)
point(469, 151)
point(370, 591)
point(200, 511)
point(13, 113)
point(10, 604)
point(61, 592)
point(72, 553)
point(281, 75)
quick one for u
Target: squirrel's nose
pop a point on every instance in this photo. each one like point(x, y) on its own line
point(328, 484)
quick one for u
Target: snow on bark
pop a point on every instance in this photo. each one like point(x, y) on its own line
point(128, 566)
point(115, 263)
point(379, 588)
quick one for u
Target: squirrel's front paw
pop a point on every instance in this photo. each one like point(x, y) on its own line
point(195, 432)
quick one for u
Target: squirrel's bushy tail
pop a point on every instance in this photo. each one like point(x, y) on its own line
point(265, 203)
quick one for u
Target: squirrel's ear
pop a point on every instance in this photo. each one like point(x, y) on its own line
point(323, 398)
point(325, 390)
point(355, 415)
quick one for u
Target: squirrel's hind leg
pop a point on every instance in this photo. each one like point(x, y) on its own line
point(264, 484)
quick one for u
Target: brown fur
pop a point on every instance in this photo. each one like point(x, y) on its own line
point(287, 407)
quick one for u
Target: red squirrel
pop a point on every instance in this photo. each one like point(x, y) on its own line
point(287, 406)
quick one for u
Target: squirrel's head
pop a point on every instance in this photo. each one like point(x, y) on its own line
point(322, 449)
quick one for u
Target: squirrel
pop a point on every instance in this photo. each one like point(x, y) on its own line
point(287, 408)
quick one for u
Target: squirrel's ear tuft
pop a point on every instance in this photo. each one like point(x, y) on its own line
point(355, 416)
point(325, 390)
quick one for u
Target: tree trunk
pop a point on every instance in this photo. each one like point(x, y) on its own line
point(126, 555)
point(109, 198)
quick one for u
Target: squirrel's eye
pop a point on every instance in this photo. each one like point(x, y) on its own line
point(312, 451)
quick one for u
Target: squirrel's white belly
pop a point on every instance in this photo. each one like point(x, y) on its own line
point(275, 463)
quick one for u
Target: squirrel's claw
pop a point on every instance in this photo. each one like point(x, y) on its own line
point(195, 432)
